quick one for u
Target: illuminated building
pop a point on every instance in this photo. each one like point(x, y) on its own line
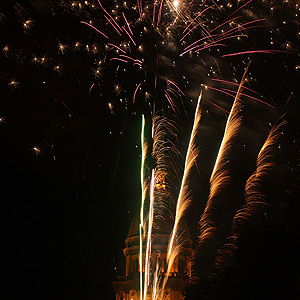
point(127, 286)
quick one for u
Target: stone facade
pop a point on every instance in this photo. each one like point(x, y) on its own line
point(127, 286)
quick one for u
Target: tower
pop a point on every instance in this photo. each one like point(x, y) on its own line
point(127, 286)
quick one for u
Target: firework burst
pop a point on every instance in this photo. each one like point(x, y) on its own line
point(153, 58)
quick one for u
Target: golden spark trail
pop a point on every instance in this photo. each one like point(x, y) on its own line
point(263, 165)
point(232, 126)
point(183, 199)
point(220, 177)
point(149, 233)
point(191, 156)
point(256, 198)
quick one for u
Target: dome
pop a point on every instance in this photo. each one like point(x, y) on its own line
point(134, 226)
point(160, 237)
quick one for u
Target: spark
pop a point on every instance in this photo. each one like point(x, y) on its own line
point(239, 8)
point(95, 49)
point(43, 60)
point(231, 93)
point(141, 48)
point(288, 100)
point(129, 36)
point(117, 89)
point(94, 28)
point(110, 107)
point(58, 69)
point(35, 60)
point(90, 90)
point(216, 105)
point(36, 150)
point(251, 97)
point(119, 59)
point(97, 71)
point(111, 23)
point(134, 95)
point(236, 84)
point(13, 84)
point(27, 24)
point(2, 120)
point(5, 48)
point(252, 52)
point(77, 45)
point(62, 48)
point(127, 23)
point(173, 83)
point(170, 100)
point(116, 47)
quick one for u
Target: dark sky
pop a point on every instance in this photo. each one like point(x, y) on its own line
point(69, 150)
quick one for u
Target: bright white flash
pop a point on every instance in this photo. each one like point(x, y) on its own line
point(175, 3)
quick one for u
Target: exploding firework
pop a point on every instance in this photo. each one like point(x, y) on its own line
point(150, 46)
point(153, 58)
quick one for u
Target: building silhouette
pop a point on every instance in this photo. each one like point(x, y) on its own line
point(127, 286)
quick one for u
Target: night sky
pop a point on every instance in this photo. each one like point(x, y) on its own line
point(70, 122)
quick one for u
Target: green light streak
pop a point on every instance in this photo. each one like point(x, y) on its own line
point(142, 207)
point(141, 264)
point(142, 169)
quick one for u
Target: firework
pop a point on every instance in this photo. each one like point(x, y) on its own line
point(209, 224)
point(183, 196)
point(258, 202)
point(151, 58)
point(160, 280)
